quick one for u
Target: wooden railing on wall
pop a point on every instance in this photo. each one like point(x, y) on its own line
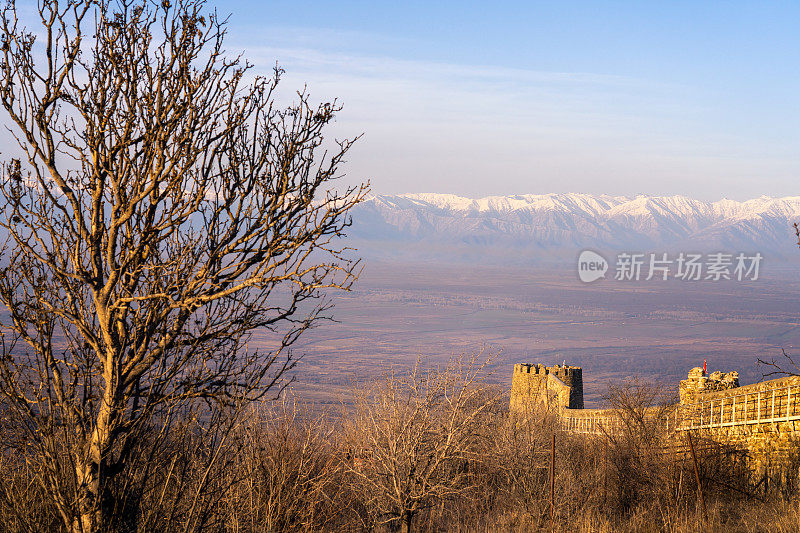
point(768, 406)
point(748, 407)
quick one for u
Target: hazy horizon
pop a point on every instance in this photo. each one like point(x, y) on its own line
point(614, 98)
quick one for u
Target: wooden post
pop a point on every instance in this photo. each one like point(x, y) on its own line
point(553, 483)
point(772, 415)
point(711, 415)
point(605, 472)
point(697, 477)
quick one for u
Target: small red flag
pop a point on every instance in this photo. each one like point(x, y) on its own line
point(705, 369)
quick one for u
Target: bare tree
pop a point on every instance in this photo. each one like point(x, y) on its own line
point(163, 208)
point(781, 367)
point(641, 409)
point(797, 232)
point(785, 365)
point(291, 473)
point(411, 439)
point(634, 443)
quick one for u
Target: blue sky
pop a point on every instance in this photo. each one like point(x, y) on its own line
point(480, 98)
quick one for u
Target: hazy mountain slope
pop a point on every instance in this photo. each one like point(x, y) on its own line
point(557, 224)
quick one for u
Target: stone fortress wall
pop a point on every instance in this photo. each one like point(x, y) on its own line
point(762, 419)
point(559, 386)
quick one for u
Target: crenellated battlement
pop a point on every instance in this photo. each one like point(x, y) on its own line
point(559, 386)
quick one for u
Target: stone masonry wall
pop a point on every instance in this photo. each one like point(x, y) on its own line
point(698, 383)
point(557, 387)
point(758, 418)
point(769, 435)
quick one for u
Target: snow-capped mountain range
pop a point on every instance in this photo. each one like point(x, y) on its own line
point(552, 222)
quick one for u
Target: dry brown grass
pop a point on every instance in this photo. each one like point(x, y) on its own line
point(286, 467)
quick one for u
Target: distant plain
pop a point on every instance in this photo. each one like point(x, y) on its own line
point(654, 330)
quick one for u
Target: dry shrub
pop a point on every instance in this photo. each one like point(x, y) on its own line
point(525, 446)
point(23, 504)
point(441, 436)
point(415, 439)
point(289, 473)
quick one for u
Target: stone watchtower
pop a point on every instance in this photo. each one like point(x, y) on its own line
point(559, 387)
point(698, 383)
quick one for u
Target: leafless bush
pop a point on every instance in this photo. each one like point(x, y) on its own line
point(289, 471)
point(641, 408)
point(412, 439)
point(524, 444)
point(23, 505)
point(632, 449)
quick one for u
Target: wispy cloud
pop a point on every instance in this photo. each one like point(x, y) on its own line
point(381, 89)
point(483, 129)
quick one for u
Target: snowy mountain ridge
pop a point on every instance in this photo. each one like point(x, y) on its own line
point(602, 204)
point(574, 220)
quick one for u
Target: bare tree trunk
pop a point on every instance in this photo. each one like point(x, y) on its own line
point(88, 472)
point(406, 525)
point(91, 470)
